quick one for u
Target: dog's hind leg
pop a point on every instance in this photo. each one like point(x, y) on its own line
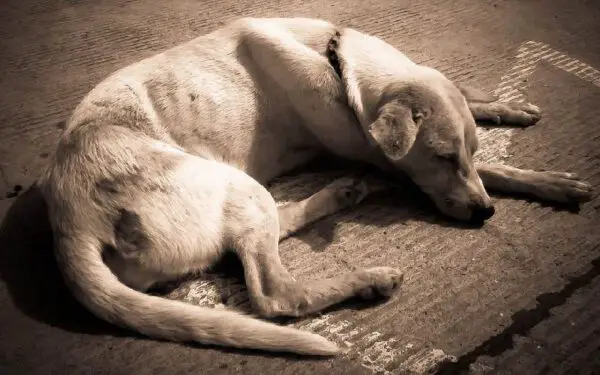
point(272, 290)
point(558, 187)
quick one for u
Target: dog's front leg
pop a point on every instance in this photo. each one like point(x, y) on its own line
point(520, 114)
point(558, 187)
point(342, 193)
point(486, 108)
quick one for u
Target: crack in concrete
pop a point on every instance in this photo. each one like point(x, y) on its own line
point(523, 322)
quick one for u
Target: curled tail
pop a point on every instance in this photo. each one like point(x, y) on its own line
point(97, 288)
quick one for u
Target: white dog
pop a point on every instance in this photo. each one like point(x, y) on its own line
point(162, 165)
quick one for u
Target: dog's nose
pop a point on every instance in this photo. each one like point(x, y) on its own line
point(481, 214)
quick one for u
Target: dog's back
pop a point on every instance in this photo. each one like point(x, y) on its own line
point(207, 94)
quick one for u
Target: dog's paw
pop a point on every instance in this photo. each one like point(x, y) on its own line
point(382, 282)
point(522, 114)
point(560, 187)
point(348, 191)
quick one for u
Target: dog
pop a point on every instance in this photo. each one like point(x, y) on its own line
point(162, 167)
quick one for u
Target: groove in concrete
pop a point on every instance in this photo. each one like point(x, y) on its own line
point(523, 322)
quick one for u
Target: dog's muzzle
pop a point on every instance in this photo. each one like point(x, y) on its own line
point(481, 214)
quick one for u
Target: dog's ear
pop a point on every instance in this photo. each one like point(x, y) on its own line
point(475, 95)
point(395, 129)
point(368, 65)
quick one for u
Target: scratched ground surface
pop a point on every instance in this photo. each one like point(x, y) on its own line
point(520, 295)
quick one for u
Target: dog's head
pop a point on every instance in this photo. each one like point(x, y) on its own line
point(425, 129)
point(420, 121)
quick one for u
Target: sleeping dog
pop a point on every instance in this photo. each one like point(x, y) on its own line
point(162, 167)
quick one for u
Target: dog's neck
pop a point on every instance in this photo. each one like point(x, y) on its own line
point(331, 53)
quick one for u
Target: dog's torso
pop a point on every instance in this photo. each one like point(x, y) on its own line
point(212, 98)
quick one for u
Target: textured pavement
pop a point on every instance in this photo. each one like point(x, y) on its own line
point(520, 295)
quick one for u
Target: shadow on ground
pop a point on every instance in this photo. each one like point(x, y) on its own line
point(29, 269)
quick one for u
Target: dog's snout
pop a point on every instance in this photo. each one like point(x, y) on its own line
point(482, 213)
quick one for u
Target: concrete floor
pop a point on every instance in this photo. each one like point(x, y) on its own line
point(520, 295)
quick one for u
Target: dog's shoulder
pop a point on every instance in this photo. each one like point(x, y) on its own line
point(311, 32)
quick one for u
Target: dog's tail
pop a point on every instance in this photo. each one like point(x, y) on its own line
point(97, 288)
